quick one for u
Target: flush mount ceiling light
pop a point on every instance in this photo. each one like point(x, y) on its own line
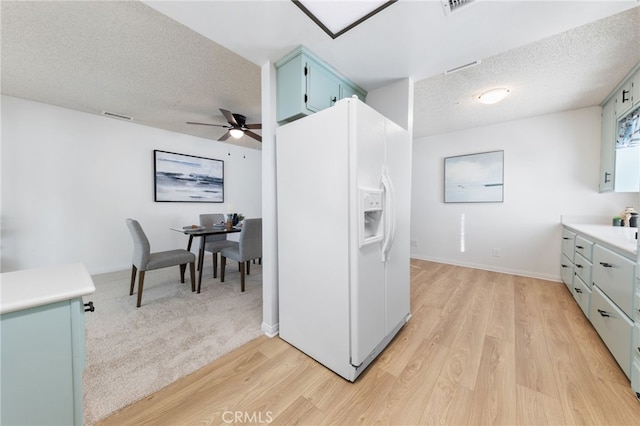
point(492, 96)
point(236, 133)
point(337, 17)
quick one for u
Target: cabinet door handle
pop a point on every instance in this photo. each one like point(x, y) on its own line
point(580, 247)
point(577, 290)
point(88, 307)
point(604, 313)
point(606, 265)
point(578, 265)
point(566, 238)
point(625, 98)
point(606, 177)
point(564, 266)
point(334, 99)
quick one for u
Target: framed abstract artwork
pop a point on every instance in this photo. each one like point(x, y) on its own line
point(474, 178)
point(187, 178)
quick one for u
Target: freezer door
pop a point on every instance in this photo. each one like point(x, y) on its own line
point(367, 142)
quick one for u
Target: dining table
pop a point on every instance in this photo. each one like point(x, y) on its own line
point(202, 232)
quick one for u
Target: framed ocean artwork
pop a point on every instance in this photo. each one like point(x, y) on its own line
point(474, 178)
point(187, 178)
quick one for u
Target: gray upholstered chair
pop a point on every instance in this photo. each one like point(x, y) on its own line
point(249, 247)
point(214, 243)
point(144, 260)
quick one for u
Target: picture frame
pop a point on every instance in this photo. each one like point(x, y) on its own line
point(474, 178)
point(187, 178)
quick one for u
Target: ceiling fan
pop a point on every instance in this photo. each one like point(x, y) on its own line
point(236, 128)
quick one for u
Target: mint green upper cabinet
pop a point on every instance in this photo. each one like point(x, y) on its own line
point(619, 159)
point(635, 88)
point(323, 88)
point(607, 147)
point(306, 84)
point(624, 97)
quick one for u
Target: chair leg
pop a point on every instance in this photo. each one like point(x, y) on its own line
point(182, 268)
point(133, 278)
point(248, 267)
point(192, 272)
point(242, 276)
point(215, 265)
point(140, 284)
point(223, 261)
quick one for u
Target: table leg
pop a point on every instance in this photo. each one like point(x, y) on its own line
point(184, 267)
point(200, 262)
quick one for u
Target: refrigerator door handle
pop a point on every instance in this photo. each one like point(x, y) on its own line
point(389, 215)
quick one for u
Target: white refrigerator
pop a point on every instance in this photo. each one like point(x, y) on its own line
point(343, 189)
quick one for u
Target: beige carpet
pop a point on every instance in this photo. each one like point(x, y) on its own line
point(133, 352)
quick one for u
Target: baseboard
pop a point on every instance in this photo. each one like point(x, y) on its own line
point(547, 277)
point(270, 330)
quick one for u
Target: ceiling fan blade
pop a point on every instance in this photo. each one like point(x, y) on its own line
point(229, 116)
point(225, 136)
point(206, 124)
point(253, 126)
point(253, 135)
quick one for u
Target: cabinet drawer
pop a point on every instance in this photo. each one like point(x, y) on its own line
point(614, 328)
point(584, 247)
point(566, 271)
point(582, 268)
point(582, 293)
point(614, 275)
point(568, 243)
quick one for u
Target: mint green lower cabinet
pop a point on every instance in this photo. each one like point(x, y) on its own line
point(43, 355)
point(614, 327)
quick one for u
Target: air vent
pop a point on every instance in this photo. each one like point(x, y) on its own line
point(451, 6)
point(462, 67)
point(118, 116)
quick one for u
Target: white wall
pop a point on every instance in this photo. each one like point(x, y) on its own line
point(395, 101)
point(551, 168)
point(270, 293)
point(69, 180)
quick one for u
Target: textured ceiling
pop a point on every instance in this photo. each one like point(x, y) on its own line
point(574, 69)
point(128, 59)
point(160, 66)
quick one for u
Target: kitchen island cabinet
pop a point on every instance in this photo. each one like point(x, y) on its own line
point(43, 347)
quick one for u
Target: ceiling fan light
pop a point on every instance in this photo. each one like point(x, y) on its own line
point(236, 133)
point(493, 96)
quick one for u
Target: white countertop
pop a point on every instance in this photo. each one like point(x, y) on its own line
point(36, 287)
point(617, 238)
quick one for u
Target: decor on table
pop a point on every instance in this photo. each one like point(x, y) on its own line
point(474, 178)
point(187, 178)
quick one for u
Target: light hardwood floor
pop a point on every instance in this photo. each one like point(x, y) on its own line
point(481, 348)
